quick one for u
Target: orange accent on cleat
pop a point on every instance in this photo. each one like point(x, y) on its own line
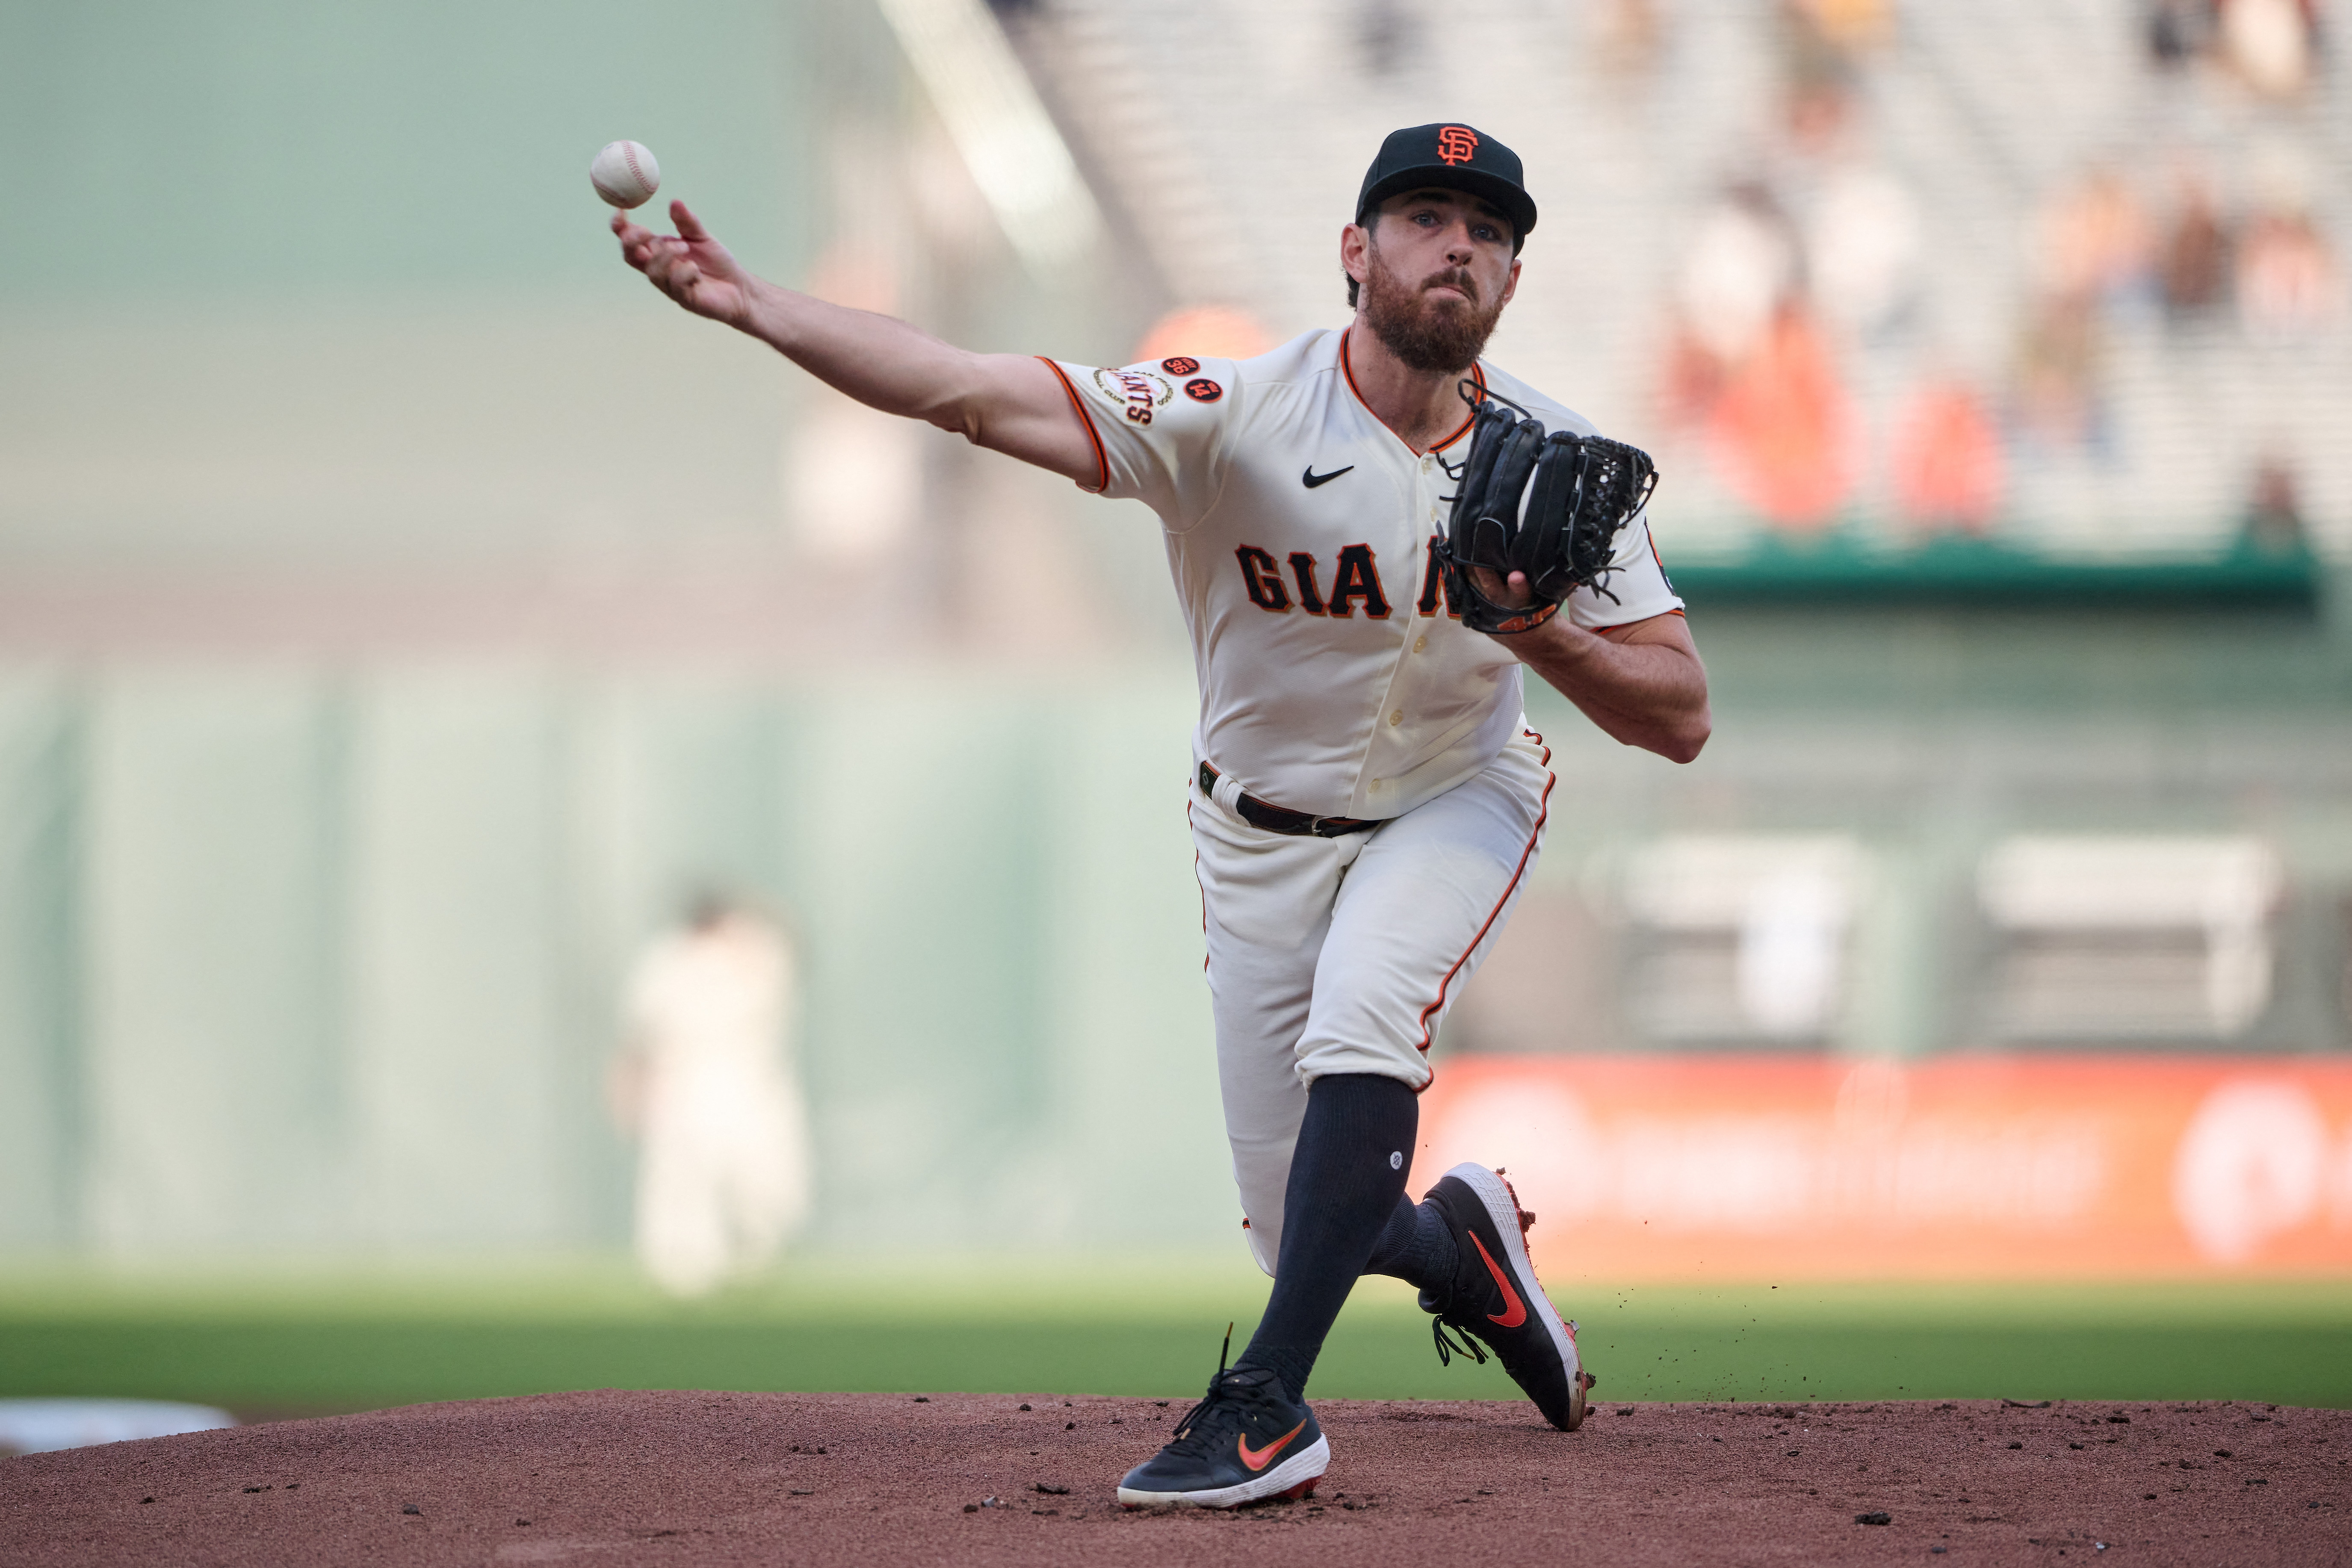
point(1514, 1311)
point(1258, 1458)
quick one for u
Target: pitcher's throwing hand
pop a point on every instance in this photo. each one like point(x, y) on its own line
point(691, 267)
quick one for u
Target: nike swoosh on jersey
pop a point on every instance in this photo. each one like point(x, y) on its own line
point(1258, 1459)
point(1310, 479)
point(1514, 1311)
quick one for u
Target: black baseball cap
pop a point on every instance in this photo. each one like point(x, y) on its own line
point(1455, 156)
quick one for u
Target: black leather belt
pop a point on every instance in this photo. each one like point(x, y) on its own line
point(1281, 819)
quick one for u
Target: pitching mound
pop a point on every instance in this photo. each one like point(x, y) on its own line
point(683, 1479)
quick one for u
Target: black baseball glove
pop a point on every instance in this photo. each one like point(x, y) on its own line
point(1584, 488)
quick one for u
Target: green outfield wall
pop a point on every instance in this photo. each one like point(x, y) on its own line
point(300, 957)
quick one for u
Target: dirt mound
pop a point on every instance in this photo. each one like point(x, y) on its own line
point(687, 1479)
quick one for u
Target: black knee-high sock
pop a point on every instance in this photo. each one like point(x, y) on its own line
point(1415, 1246)
point(1347, 1176)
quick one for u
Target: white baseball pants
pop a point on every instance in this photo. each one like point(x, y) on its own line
point(1341, 955)
point(724, 1174)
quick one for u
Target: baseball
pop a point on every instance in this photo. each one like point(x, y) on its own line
point(625, 174)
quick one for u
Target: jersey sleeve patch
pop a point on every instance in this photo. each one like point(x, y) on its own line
point(1137, 395)
point(1155, 446)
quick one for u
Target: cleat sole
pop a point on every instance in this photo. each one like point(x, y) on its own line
point(1295, 1477)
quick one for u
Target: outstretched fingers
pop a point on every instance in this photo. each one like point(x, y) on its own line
point(690, 267)
point(668, 265)
point(637, 244)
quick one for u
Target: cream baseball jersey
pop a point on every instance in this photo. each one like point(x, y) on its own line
point(1335, 679)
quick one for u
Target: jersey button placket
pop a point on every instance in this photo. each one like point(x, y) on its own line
point(1428, 482)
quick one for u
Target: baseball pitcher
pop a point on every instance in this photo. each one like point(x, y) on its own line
point(1374, 534)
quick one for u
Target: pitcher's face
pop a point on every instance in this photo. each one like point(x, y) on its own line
point(1435, 269)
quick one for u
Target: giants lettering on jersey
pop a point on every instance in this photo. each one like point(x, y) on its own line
point(1302, 571)
point(1137, 392)
point(1433, 582)
point(1357, 579)
point(1261, 579)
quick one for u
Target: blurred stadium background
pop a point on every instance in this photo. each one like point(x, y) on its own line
point(402, 611)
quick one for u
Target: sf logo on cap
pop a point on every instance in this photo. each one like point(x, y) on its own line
point(1456, 143)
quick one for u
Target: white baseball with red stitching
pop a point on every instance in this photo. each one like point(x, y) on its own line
point(625, 174)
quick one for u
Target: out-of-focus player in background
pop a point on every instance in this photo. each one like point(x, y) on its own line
point(1365, 796)
point(705, 1080)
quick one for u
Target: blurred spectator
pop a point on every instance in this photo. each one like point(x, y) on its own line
point(1203, 331)
point(1818, 116)
point(2178, 31)
point(1751, 368)
point(2095, 250)
point(1741, 270)
point(2057, 372)
point(1947, 459)
point(1782, 429)
point(1629, 37)
point(1863, 249)
point(1385, 33)
point(706, 1083)
point(2194, 267)
point(2095, 240)
point(1693, 381)
point(2270, 43)
point(2275, 507)
point(2288, 280)
point(1851, 26)
point(1821, 45)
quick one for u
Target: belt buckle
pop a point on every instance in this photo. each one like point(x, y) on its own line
point(1315, 826)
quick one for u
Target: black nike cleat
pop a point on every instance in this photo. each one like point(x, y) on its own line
point(1247, 1441)
point(1496, 1297)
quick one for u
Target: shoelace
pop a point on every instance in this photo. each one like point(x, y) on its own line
point(1447, 1349)
point(1190, 1440)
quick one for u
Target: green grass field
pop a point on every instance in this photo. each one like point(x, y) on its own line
point(279, 1339)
